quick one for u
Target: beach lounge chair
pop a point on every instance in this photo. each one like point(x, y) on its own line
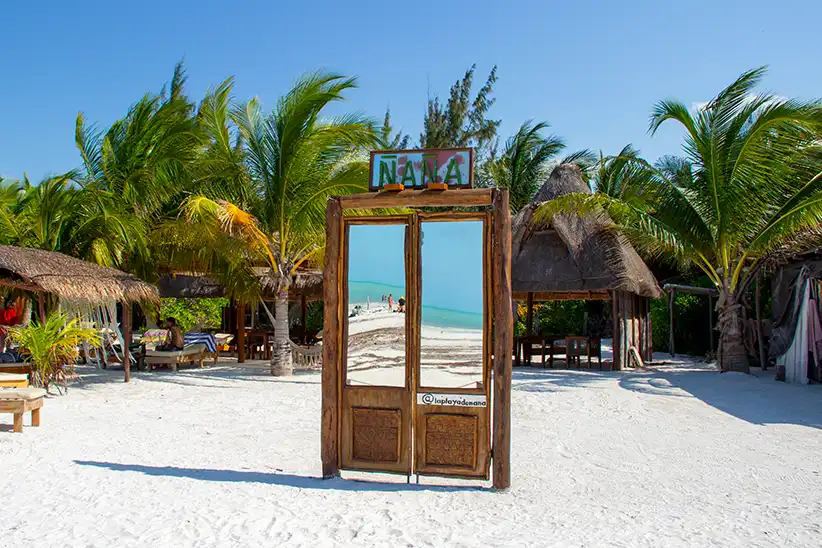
point(20, 401)
point(14, 380)
point(192, 353)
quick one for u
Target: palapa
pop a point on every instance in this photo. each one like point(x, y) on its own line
point(69, 278)
point(571, 253)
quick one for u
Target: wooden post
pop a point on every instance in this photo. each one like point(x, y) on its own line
point(303, 314)
point(616, 336)
point(503, 339)
point(671, 321)
point(41, 304)
point(760, 332)
point(529, 315)
point(329, 425)
point(127, 341)
point(651, 333)
point(711, 323)
point(240, 332)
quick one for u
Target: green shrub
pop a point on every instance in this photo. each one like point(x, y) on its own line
point(51, 348)
point(190, 313)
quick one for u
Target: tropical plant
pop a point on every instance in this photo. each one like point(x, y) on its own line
point(193, 313)
point(388, 140)
point(295, 161)
point(51, 348)
point(622, 177)
point(462, 122)
point(135, 174)
point(523, 164)
point(751, 186)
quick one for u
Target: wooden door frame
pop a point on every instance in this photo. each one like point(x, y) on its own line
point(502, 321)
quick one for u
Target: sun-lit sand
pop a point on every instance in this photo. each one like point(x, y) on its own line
point(450, 357)
point(229, 456)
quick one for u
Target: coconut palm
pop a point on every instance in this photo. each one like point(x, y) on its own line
point(750, 185)
point(622, 176)
point(135, 174)
point(523, 164)
point(295, 161)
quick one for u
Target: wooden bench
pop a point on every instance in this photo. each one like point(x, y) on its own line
point(14, 380)
point(20, 401)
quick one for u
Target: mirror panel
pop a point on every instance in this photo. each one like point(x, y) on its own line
point(376, 338)
point(452, 305)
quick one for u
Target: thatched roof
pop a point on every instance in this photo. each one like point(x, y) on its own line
point(69, 278)
point(197, 286)
point(573, 254)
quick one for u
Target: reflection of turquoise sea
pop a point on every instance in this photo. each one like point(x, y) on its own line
point(359, 292)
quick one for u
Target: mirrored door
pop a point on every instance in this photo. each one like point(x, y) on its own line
point(452, 400)
point(376, 381)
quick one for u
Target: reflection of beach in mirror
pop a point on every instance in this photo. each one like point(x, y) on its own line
point(376, 302)
point(452, 305)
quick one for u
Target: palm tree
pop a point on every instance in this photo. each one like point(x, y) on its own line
point(750, 185)
point(523, 164)
point(135, 174)
point(294, 161)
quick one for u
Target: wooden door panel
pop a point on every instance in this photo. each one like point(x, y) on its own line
point(452, 441)
point(376, 429)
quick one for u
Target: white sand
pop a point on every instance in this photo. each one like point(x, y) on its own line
point(450, 357)
point(229, 456)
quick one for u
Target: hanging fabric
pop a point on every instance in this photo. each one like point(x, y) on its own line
point(795, 358)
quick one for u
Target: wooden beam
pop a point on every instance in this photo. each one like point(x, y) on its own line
point(543, 296)
point(126, 341)
point(417, 198)
point(503, 339)
point(330, 420)
point(240, 332)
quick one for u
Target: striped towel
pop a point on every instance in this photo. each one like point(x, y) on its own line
point(203, 338)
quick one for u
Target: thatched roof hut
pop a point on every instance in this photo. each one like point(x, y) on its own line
point(69, 278)
point(571, 256)
point(308, 284)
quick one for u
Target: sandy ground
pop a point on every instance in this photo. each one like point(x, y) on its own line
point(229, 456)
point(450, 358)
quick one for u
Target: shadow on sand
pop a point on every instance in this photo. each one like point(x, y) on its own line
point(755, 399)
point(288, 480)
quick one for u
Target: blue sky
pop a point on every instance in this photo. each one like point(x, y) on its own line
point(593, 70)
point(451, 261)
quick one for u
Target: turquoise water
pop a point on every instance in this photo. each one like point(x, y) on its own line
point(359, 292)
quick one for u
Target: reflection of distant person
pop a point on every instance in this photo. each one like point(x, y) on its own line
point(401, 304)
point(390, 302)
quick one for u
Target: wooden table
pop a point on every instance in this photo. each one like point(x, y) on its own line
point(252, 339)
point(548, 345)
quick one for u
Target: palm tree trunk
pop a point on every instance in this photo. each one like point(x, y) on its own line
point(733, 355)
point(281, 357)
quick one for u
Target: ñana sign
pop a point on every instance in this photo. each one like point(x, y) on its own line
point(453, 167)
